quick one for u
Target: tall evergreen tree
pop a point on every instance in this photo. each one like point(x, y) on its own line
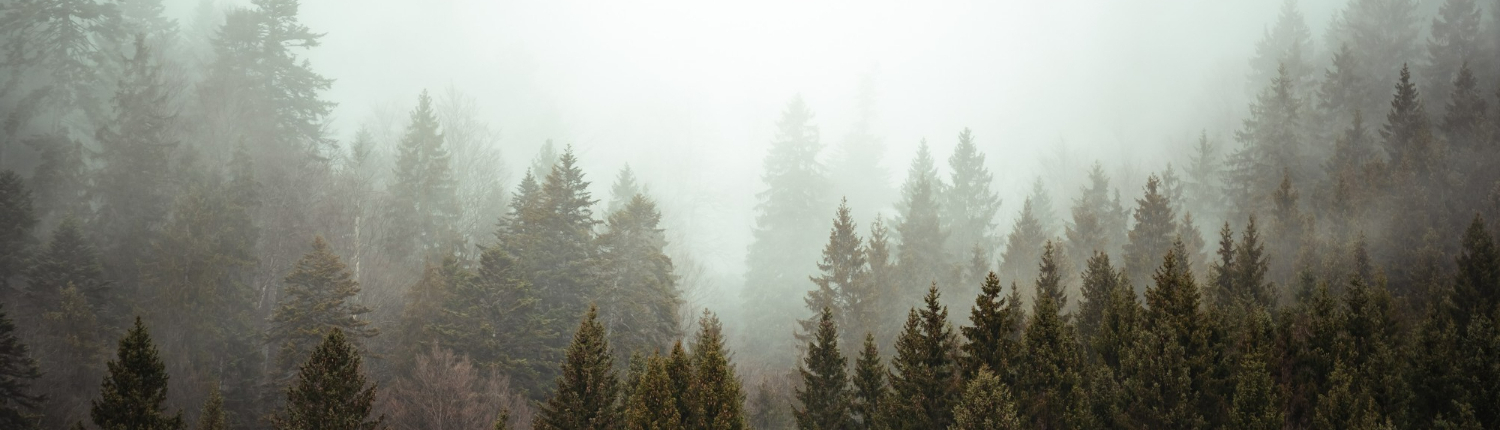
point(16, 221)
point(492, 316)
point(969, 206)
point(587, 390)
point(1467, 113)
point(824, 395)
point(212, 416)
point(1019, 260)
point(1169, 372)
point(18, 370)
point(787, 225)
point(1271, 139)
point(69, 260)
point(1100, 280)
point(1454, 41)
point(716, 390)
point(652, 406)
point(986, 405)
point(625, 188)
point(1407, 132)
point(640, 293)
point(424, 206)
point(883, 281)
point(1383, 35)
point(552, 236)
point(842, 287)
point(317, 299)
point(871, 395)
point(1288, 42)
point(992, 341)
point(331, 391)
point(858, 169)
point(1203, 170)
point(1099, 222)
point(1344, 90)
point(1151, 237)
point(132, 394)
point(1050, 381)
point(925, 372)
point(920, 255)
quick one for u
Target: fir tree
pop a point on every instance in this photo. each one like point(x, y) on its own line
point(492, 317)
point(680, 372)
point(986, 405)
point(316, 300)
point(882, 280)
point(1383, 35)
point(992, 341)
point(1250, 267)
point(1099, 221)
point(640, 292)
point(1192, 240)
point(920, 254)
point(1477, 282)
point(1019, 260)
point(135, 388)
point(16, 222)
point(1100, 280)
point(824, 395)
point(1151, 237)
point(18, 370)
point(842, 287)
point(331, 391)
point(1408, 137)
point(1344, 91)
point(587, 390)
point(652, 406)
point(1203, 170)
point(1467, 113)
point(925, 372)
point(1271, 140)
point(969, 206)
point(624, 190)
point(1455, 40)
point(787, 225)
point(716, 390)
point(424, 207)
point(212, 416)
point(1289, 43)
point(545, 159)
point(1167, 372)
point(553, 241)
point(871, 395)
point(1050, 384)
point(69, 260)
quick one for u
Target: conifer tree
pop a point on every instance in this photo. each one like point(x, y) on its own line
point(493, 317)
point(1250, 267)
point(132, 394)
point(920, 255)
point(1383, 35)
point(871, 395)
point(1256, 403)
point(1408, 136)
point(1019, 261)
point(1221, 273)
point(18, 370)
point(925, 372)
point(1467, 113)
point(1099, 222)
point(331, 391)
point(882, 280)
point(1455, 40)
point(824, 394)
point(986, 405)
point(857, 168)
point(1152, 235)
point(991, 341)
point(69, 260)
point(212, 416)
point(318, 298)
point(554, 243)
point(680, 372)
point(1477, 282)
point(1344, 91)
point(587, 390)
point(16, 222)
point(788, 223)
point(969, 206)
point(424, 207)
point(1050, 382)
point(652, 406)
point(1203, 170)
point(1271, 139)
point(640, 293)
point(1100, 280)
point(1167, 372)
point(716, 390)
point(546, 158)
point(623, 191)
point(1288, 42)
point(1192, 240)
point(842, 287)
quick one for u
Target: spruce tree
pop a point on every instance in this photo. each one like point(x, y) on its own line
point(212, 416)
point(1050, 383)
point(69, 260)
point(330, 391)
point(18, 370)
point(1151, 237)
point(842, 286)
point(16, 222)
point(652, 406)
point(1192, 240)
point(991, 341)
point(882, 280)
point(587, 389)
point(1477, 281)
point(920, 255)
point(317, 298)
point(1288, 42)
point(788, 222)
point(1466, 114)
point(1455, 40)
point(1271, 139)
point(925, 373)
point(493, 317)
point(716, 390)
point(1250, 267)
point(824, 394)
point(680, 372)
point(1344, 91)
point(1203, 171)
point(1167, 373)
point(1099, 222)
point(1407, 132)
point(871, 396)
point(1100, 280)
point(545, 159)
point(640, 296)
point(1383, 35)
point(424, 205)
point(623, 191)
point(132, 394)
point(986, 405)
point(969, 206)
point(552, 237)
point(1019, 260)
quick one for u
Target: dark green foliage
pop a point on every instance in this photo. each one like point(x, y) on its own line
point(587, 390)
point(492, 317)
point(720, 402)
point(640, 297)
point(317, 299)
point(1168, 372)
point(925, 374)
point(986, 405)
point(1050, 382)
point(1100, 282)
point(993, 340)
point(69, 260)
point(1477, 282)
point(553, 241)
point(16, 222)
point(424, 207)
point(1271, 139)
point(871, 396)
point(330, 391)
point(842, 287)
point(132, 394)
point(824, 395)
point(653, 405)
point(212, 416)
point(18, 370)
point(1407, 132)
point(1151, 237)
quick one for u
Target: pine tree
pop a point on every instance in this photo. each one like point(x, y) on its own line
point(493, 317)
point(1099, 221)
point(1050, 382)
point(623, 191)
point(1151, 237)
point(16, 222)
point(986, 405)
point(1467, 113)
point(69, 260)
point(1345, 405)
point(1019, 261)
point(992, 342)
point(969, 206)
point(1256, 401)
point(132, 183)
point(1221, 273)
point(1408, 137)
point(424, 204)
point(553, 241)
point(331, 391)
point(1455, 40)
point(920, 255)
point(1250, 267)
point(787, 224)
point(871, 395)
point(925, 372)
point(587, 390)
point(824, 395)
point(857, 168)
point(316, 300)
point(1344, 91)
point(640, 294)
point(1167, 372)
point(680, 372)
point(212, 417)
point(842, 287)
point(1100, 280)
point(132, 394)
point(720, 400)
point(652, 406)
point(1288, 42)
point(18, 370)
point(1271, 140)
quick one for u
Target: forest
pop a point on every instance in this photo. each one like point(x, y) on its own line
point(188, 242)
